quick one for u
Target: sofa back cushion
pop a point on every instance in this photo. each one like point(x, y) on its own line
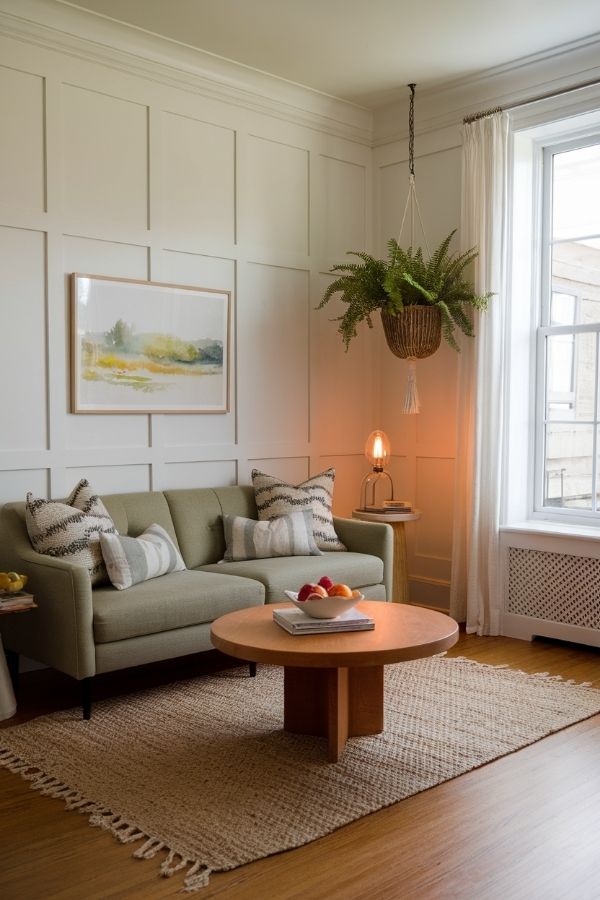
point(198, 518)
point(134, 513)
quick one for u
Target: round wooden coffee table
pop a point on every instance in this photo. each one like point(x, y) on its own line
point(333, 683)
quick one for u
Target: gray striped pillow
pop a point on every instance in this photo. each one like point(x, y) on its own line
point(276, 498)
point(70, 530)
point(285, 536)
point(131, 560)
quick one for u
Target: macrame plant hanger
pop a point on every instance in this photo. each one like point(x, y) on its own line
point(415, 332)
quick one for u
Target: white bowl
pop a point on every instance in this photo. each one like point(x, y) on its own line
point(324, 607)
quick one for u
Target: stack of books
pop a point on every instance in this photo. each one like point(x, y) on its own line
point(13, 602)
point(297, 622)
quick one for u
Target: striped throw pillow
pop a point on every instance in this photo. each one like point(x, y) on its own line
point(70, 530)
point(285, 536)
point(131, 560)
point(276, 498)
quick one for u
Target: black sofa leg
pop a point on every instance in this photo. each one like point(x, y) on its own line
point(252, 667)
point(86, 697)
point(12, 662)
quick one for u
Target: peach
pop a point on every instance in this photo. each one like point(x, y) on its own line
point(340, 590)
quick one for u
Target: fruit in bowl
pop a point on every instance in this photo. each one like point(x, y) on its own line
point(12, 582)
point(325, 600)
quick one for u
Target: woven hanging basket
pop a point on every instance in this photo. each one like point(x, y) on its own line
point(416, 332)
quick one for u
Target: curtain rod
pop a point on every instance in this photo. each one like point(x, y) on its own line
point(547, 96)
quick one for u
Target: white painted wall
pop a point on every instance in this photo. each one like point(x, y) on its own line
point(115, 165)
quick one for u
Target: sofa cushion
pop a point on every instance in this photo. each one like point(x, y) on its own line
point(133, 513)
point(277, 498)
point(131, 560)
point(357, 570)
point(284, 536)
point(70, 530)
point(176, 600)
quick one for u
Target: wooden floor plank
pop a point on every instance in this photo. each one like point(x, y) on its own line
point(525, 827)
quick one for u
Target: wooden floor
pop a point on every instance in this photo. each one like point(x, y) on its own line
point(525, 827)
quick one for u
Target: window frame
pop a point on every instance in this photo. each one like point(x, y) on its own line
point(548, 148)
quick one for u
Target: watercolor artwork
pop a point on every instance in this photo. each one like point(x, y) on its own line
point(146, 347)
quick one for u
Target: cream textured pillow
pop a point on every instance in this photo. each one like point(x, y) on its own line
point(277, 498)
point(131, 560)
point(70, 530)
point(285, 536)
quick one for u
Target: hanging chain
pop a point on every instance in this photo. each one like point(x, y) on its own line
point(411, 130)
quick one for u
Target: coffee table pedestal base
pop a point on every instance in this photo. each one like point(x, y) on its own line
point(334, 703)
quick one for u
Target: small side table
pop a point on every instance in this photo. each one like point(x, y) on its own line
point(8, 703)
point(396, 520)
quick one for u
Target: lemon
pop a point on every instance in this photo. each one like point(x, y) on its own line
point(15, 586)
point(4, 581)
point(14, 576)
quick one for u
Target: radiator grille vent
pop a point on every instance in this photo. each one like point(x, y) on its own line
point(554, 586)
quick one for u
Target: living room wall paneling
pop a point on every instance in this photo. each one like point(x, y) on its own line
point(344, 219)
point(109, 479)
point(433, 534)
point(16, 482)
point(204, 474)
point(105, 158)
point(148, 170)
point(274, 198)
point(273, 311)
point(198, 189)
point(293, 470)
point(23, 333)
point(349, 473)
point(22, 172)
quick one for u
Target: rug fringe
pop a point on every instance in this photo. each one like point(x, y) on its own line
point(542, 675)
point(101, 817)
point(197, 877)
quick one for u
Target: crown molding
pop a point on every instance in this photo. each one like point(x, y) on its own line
point(59, 26)
point(559, 69)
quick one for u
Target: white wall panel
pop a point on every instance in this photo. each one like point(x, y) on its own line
point(22, 175)
point(211, 473)
point(16, 484)
point(435, 487)
point(343, 198)
point(344, 412)
point(105, 161)
point(293, 470)
point(275, 196)
point(273, 354)
point(23, 335)
point(110, 479)
point(197, 191)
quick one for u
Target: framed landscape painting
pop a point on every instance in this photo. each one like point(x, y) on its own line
point(147, 347)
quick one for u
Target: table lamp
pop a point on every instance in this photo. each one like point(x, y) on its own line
point(377, 487)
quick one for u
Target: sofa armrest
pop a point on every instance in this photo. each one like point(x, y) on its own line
point(375, 538)
point(59, 632)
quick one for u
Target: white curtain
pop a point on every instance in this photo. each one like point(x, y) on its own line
point(475, 591)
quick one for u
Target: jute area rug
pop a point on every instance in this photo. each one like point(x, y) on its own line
point(202, 770)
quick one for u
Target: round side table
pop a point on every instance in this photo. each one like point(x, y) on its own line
point(396, 520)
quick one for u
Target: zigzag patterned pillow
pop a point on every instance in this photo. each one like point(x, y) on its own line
point(276, 498)
point(71, 530)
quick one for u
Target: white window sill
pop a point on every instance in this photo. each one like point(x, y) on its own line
point(557, 529)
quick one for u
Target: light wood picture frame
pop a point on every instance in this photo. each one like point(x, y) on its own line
point(148, 347)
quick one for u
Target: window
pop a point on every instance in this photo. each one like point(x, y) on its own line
point(567, 445)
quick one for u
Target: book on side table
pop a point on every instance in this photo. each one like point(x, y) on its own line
point(297, 622)
point(16, 601)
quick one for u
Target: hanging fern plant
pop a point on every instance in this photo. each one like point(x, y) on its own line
point(407, 279)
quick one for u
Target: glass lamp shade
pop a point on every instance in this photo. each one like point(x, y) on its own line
point(378, 450)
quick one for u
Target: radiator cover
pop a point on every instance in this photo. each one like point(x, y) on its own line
point(556, 587)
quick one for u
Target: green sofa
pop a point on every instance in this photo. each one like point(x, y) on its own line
point(84, 631)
